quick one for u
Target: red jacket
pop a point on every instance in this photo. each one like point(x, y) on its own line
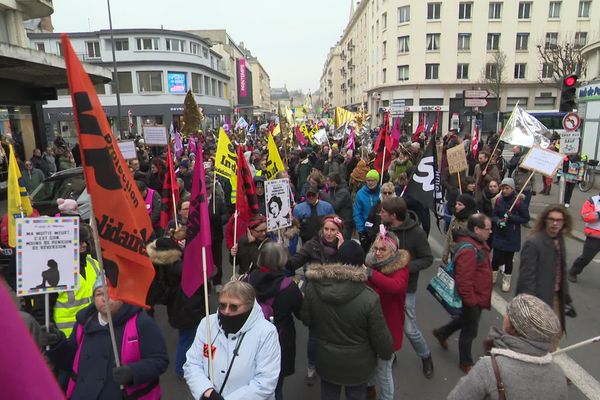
point(591, 216)
point(391, 284)
point(473, 270)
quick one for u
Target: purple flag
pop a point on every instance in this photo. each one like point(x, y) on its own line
point(300, 136)
point(350, 145)
point(198, 233)
point(178, 145)
point(192, 145)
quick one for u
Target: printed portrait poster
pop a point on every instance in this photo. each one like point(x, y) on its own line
point(278, 203)
point(47, 255)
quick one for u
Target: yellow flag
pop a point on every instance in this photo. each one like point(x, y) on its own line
point(342, 116)
point(276, 130)
point(19, 203)
point(226, 161)
point(274, 163)
point(304, 130)
point(289, 116)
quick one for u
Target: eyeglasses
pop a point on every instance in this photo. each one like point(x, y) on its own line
point(232, 307)
point(379, 249)
point(388, 193)
point(555, 220)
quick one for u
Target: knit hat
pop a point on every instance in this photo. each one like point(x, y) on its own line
point(508, 182)
point(372, 175)
point(467, 200)
point(533, 319)
point(351, 253)
point(166, 243)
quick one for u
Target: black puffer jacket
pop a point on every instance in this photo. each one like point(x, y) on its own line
point(341, 201)
point(311, 252)
point(347, 319)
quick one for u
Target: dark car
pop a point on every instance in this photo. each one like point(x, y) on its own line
point(67, 184)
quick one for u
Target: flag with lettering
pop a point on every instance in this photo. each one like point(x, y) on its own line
point(198, 234)
point(383, 146)
point(123, 223)
point(178, 145)
point(19, 204)
point(301, 139)
point(169, 193)
point(274, 162)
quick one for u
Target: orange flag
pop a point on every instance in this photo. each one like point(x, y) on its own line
point(123, 223)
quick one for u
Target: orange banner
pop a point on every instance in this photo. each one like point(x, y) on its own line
point(123, 223)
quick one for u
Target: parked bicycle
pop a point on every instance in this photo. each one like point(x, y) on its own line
point(589, 175)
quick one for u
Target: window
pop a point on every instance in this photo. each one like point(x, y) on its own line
point(464, 41)
point(403, 44)
point(195, 48)
point(207, 86)
point(462, 71)
point(196, 83)
point(432, 71)
point(125, 82)
point(580, 39)
point(149, 81)
point(384, 49)
point(59, 48)
point(547, 70)
point(215, 92)
point(147, 43)
point(433, 10)
point(433, 42)
point(524, 10)
point(384, 75)
point(175, 45)
point(584, 9)
point(493, 41)
point(403, 14)
point(554, 9)
point(205, 52)
point(100, 89)
point(522, 41)
point(120, 45)
point(403, 72)
point(495, 10)
point(220, 89)
point(92, 49)
point(40, 46)
point(520, 70)
point(551, 40)
point(384, 21)
point(491, 71)
point(465, 10)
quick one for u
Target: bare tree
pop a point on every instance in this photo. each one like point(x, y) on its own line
point(493, 78)
point(561, 59)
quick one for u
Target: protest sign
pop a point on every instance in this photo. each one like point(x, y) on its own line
point(545, 162)
point(569, 142)
point(457, 159)
point(155, 135)
point(128, 150)
point(277, 198)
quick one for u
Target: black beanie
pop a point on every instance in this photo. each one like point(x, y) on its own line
point(165, 243)
point(351, 253)
point(467, 200)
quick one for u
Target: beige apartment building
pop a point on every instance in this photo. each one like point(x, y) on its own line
point(261, 88)
point(423, 54)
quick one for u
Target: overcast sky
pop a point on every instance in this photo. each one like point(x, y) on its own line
point(290, 38)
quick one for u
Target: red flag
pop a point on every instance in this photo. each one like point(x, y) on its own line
point(420, 129)
point(169, 189)
point(123, 223)
point(246, 200)
point(475, 140)
point(396, 134)
point(198, 236)
point(383, 145)
point(435, 125)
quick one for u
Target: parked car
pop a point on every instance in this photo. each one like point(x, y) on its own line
point(67, 184)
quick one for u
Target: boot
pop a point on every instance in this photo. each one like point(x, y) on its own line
point(427, 366)
point(494, 276)
point(506, 283)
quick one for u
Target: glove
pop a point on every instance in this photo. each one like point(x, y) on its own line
point(52, 338)
point(502, 223)
point(123, 375)
point(215, 396)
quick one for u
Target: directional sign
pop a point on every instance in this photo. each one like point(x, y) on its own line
point(475, 102)
point(571, 121)
point(475, 93)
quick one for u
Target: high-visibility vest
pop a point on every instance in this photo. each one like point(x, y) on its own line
point(69, 303)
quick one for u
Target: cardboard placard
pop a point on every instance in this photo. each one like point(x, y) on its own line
point(155, 135)
point(569, 142)
point(128, 149)
point(457, 159)
point(278, 202)
point(47, 255)
point(545, 162)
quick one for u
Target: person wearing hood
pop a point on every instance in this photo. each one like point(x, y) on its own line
point(465, 207)
point(388, 276)
point(488, 198)
point(521, 354)
point(366, 198)
point(88, 352)
point(259, 184)
point(248, 246)
point(473, 277)
point(246, 357)
point(350, 325)
point(507, 230)
point(274, 288)
point(341, 200)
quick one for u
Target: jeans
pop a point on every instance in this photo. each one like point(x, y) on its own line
point(186, 338)
point(311, 349)
point(505, 258)
point(569, 186)
point(279, 388)
point(332, 391)
point(468, 323)
point(411, 330)
point(384, 379)
point(591, 247)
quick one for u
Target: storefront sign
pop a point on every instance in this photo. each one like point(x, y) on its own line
point(589, 92)
point(425, 108)
point(243, 88)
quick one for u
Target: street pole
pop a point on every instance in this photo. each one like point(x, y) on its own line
point(115, 74)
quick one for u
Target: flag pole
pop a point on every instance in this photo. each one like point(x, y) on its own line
point(521, 191)
point(235, 223)
point(214, 192)
point(211, 373)
point(174, 210)
point(500, 137)
point(383, 163)
point(459, 185)
point(576, 345)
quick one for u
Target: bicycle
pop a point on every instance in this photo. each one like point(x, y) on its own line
point(589, 175)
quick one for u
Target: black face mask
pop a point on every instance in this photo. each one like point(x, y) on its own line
point(233, 323)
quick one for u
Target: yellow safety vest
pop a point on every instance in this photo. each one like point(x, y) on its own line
point(69, 303)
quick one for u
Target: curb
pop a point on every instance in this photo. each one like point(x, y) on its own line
point(580, 237)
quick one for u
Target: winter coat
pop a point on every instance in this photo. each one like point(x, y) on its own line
point(590, 215)
point(336, 165)
point(247, 254)
point(449, 245)
point(303, 171)
point(396, 168)
point(311, 252)
point(413, 239)
point(487, 201)
point(492, 173)
point(473, 270)
point(346, 317)
point(96, 361)
point(391, 283)
point(254, 373)
point(32, 179)
point(342, 203)
point(365, 200)
point(286, 304)
point(527, 371)
point(310, 224)
point(509, 237)
point(521, 177)
point(514, 162)
point(537, 271)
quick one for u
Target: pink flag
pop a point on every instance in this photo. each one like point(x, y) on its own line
point(350, 145)
point(475, 140)
point(192, 145)
point(300, 136)
point(198, 234)
point(178, 145)
point(396, 134)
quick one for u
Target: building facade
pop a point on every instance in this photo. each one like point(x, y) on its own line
point(331, 81)
point(423, 54)
point(588, 102)
point(156, 67)
point(261, 89)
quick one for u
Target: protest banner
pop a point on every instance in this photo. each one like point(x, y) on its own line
point(155, 135)
point(278, 202)
point(127, 148)
point(545, 162)
point(457, 162)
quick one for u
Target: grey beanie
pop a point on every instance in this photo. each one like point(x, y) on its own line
point(533, 319)
point(97, 283)
point(508, 182)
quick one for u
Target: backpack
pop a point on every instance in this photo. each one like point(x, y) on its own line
point(267, 305)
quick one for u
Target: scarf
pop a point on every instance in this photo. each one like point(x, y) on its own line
point(372, 262)
point(329, 248)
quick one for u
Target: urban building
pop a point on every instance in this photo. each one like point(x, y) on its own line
point(331, 81)
point(588, 102)
point(423, 54)
point(156, 67)
point(282, 97)
point(261, 88)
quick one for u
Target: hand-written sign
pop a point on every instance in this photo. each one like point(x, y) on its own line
point(128, 149)
point(155, 135)
point(457, 159)
point(545, 162)
point(278, 202)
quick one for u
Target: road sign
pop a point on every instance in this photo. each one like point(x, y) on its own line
point(470, 102)
point(569, 142)
point(571, 121)
point(475, 93)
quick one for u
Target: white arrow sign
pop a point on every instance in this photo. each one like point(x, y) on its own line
point(476, 93)
point(475, 102)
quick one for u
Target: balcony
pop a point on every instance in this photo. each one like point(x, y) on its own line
point(34, 8)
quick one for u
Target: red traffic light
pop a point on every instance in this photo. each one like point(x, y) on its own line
point(570, 81)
